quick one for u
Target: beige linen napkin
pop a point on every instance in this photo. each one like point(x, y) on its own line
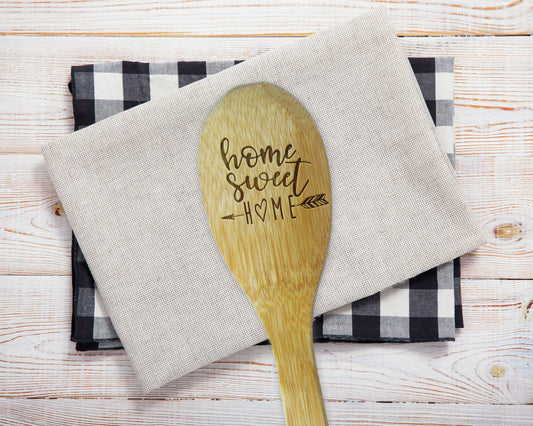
point(130, 188)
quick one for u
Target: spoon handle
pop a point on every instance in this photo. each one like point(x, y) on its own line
point(292, 344)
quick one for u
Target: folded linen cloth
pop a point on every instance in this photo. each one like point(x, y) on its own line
point(421, 309)
point(130, 188)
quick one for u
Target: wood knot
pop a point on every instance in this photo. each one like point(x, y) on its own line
point(508, 231)
point(497, 371)
point(528, 311)
point(58, 209)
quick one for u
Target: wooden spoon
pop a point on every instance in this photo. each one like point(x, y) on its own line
point(265, 184)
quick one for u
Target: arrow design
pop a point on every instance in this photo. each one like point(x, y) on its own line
point(314, 201)
point(232, 216)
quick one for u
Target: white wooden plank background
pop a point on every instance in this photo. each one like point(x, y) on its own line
point(263, 17)
point(230, 412)
point(494, 88)
point(490, 362)
point(35, 240)
point(43, 380)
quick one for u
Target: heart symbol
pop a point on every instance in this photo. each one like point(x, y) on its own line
point(261, 209)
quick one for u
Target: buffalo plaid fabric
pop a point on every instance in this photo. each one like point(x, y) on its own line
point(424, 308)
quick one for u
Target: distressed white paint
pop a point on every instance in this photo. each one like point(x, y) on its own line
point(114, 412)
point(271, 18)
point(38, 361)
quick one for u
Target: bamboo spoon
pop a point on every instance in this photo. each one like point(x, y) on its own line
point(265, 184)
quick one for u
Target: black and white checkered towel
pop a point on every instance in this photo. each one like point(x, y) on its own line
point(424, 308)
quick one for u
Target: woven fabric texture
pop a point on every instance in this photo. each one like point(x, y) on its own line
point(130, 188)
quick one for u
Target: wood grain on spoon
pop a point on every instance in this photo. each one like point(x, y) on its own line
point(265, 183)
